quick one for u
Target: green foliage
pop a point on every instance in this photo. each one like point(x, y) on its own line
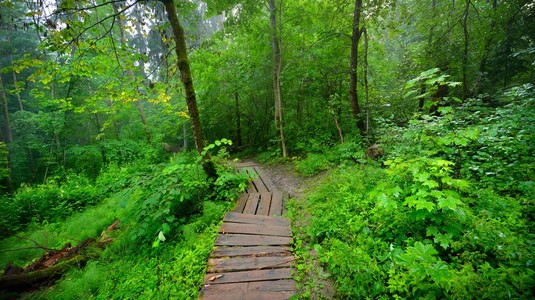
point(347, 153)
point(142, 197)
point(312, 164)
point(49, 202)
point(441, 221)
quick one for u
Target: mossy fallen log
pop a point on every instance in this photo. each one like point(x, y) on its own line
point(54, 264)
point(31, 280)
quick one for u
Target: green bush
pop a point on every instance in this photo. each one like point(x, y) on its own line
point(312, 165)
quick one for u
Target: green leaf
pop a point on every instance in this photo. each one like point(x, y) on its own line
point(443, 239)
point(161, 236)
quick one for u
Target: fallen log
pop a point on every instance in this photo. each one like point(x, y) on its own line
point(52, 265)
point(31, 280)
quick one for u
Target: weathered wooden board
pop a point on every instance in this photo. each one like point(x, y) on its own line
point(246, 164)
point(241, 203)
point(251, 240)
point(209, 294)
point(276, 204)
point(267, 181)
point(256, 229)
point(255, 219)
point(248, 276)
point(283, 285)
point(254, 250)
point(259, 184)
point(252, 203)
point(217, 265)
point(264, 204)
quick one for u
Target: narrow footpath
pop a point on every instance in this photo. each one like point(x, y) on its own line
point(252, 256)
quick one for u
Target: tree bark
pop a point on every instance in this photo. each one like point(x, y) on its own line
point(9, 137)
point(276, 74)
point(238, 120)
point(366, 87)
point(465, 51)
point(187, 81)
point(353, 91)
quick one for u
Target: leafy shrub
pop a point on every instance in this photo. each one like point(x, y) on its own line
point(85, 159)
point(415, 231)
point(312, 164)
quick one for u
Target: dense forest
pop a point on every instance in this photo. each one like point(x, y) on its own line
point(411, 124)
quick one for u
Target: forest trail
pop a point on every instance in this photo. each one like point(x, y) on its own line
point(252, 256)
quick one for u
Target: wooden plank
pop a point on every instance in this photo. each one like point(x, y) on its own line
point(252, 203)
point(241, 295)
point(264, 204)
point(251, 240)
point(276, 204)
point(256, 229)
point(218, 265)
point(259, 184)
point(267, 181)
point(283, 285)
point(246, 164)
point(248, 276)
point(255, 219)
point(241, 203)
point(251, 188)
point(254, 250)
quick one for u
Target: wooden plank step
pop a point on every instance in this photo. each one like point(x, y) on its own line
point(264, 204)
point(256, 229)
point(255, 219)
point(276, 204)
point(209, 294)
point(245, 164)
point(283, 285)
point(267, 181)
point(248, 276)
point(218, 265)
point(259, 184)
point(251, 240)
point(254, 250)
point(252, 203)
point(241, 203)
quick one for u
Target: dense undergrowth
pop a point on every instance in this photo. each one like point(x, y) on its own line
point(169, 216)
point(448, 212)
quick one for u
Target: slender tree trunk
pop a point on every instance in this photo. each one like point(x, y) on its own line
point(185, 144)
point(14, 74)
point(9, 137)
point(366, 86)
point(238, 119)
point(465, 52)
point(187, 81)
point(353, 91)
point(276, 74)
point(488, 41)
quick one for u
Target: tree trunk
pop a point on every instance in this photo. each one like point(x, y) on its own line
point(238, 120)
point(14, 74)
point(353, 91)
point(187, 81)
point(465, 52)
point(9, 137)
point(366, 87)
point(276, 74)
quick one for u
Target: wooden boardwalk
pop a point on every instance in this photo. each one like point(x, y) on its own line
point(252, 256)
